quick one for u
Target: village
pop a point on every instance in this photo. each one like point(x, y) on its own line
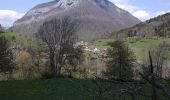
point(92, 49)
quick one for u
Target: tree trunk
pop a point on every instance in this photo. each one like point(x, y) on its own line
point(154, 93)
point(133, 96)
point(52, 64)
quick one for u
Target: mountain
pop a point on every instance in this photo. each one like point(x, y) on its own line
point(159, 26)
point(96, 17)
point(0, 26)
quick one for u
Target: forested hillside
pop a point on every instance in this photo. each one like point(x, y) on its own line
point(159, 26)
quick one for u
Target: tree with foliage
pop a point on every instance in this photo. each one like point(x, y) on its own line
point(163, 29)
point(6, 56)
point(59, 35)
point(120, 62)
point(131, 33)
point(74, 60)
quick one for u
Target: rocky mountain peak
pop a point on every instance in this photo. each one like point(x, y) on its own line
point(66, 4)
point(96, 17)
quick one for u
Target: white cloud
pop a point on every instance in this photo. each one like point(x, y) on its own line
point(141, 14)
point(127, 7)
point(137, 11)
point(134, 10)
point(7, 17)
point(125, 4)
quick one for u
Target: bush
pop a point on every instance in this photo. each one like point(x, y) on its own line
point(6, 56)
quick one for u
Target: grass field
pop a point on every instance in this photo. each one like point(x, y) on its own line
point(57, 89)
point(9, 35)
point(140, 46)
point(52, 89)
point(102, 43)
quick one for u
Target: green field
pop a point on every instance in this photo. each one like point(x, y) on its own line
point(9, 35)
point(103, 43)
point(140, 46)
point(58, 89)
point(52, 89)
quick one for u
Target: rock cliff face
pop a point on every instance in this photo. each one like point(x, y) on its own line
point(96, 17)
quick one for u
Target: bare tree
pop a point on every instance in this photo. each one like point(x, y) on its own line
point(59, 35)
point(153, 73)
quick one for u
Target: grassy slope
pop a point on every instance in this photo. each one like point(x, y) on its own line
point(139, 46)
point(102, 43)
point(18, 37)
point(9, 35)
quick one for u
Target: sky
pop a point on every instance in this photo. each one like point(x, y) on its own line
point(11, 10)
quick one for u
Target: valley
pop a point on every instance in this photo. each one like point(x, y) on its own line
point(85, 50)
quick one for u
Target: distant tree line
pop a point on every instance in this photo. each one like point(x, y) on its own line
point(163, 30)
